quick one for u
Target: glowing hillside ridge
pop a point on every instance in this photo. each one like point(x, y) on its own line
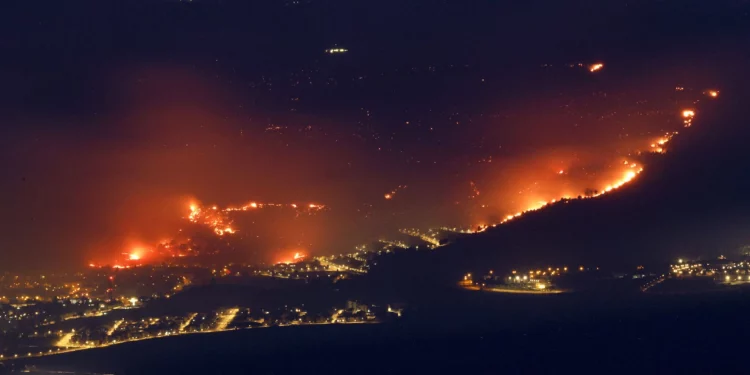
point(628, 175)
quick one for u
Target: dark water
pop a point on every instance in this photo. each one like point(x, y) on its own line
point(477, 333)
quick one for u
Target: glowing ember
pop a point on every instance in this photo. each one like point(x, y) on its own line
point(393, 192)
point(688, 115)
point(474, 190)
point(595, 67)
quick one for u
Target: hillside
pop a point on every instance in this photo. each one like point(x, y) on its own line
point(691, 202)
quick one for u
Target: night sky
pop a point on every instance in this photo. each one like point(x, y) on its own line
point(116, 117)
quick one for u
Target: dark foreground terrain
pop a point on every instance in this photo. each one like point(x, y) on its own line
point(466, 332)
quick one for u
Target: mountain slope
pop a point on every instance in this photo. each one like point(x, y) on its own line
point(693, 201)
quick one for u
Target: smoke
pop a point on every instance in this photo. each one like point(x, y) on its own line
point(93, 188)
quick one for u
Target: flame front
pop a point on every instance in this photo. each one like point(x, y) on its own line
point(220, 222)
point(633, 170)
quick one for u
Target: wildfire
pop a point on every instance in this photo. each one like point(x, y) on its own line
point(297, 257)
point(393, 192)
point(595, 67)
point(656, 146)
point(629, 175)
point(220, 222)
point(687, 116)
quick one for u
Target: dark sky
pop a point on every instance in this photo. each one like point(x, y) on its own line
point(116, 116)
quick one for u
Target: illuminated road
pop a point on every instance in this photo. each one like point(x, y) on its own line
point(336, 315)
point(225, 319)
point(64, 341)
point(338, 267)
point(653, 283)
point(187, 322)
point(434, 242)
point(515, 291)
point(114, 327)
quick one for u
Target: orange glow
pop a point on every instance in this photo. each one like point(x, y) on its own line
point(688, 115)
point(392, 193)
point(297, 257)
point(219, 220)
point(713, 93)
point(136, 253)
point(570, 182)
point(661, 141)
point(628, 175)
point(595, 67)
